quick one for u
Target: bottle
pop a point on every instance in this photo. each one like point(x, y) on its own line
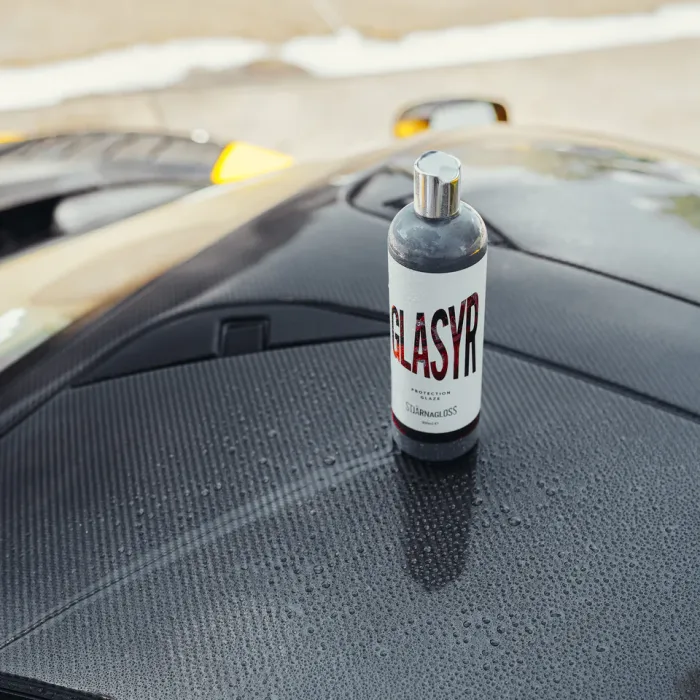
point(437, 291)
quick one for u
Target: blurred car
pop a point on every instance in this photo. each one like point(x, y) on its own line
point(68, 184)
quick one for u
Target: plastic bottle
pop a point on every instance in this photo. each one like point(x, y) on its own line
point(437, 293)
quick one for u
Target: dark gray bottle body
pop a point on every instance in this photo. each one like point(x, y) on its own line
point(436, 247)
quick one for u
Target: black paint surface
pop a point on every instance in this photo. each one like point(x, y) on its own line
point(241, 528)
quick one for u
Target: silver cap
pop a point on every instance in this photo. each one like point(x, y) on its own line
point(436, 180)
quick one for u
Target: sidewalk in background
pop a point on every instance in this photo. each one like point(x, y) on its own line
point(648, 93)
point(47, 30)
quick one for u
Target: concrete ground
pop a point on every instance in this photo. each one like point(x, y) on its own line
point(46, 30)
point(648, 93)
point(645, 92)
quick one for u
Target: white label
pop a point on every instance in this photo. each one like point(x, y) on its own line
point(437, 346)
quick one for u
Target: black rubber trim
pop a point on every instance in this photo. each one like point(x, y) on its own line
point(616, 388)
point(434, 438)
point(387, 208)
point(608, 275)
point(230, 330)
point(18, 688)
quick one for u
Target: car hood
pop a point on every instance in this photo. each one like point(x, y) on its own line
point(199, 496)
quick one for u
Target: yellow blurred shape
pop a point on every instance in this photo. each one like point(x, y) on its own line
point(10, 136)
point(405, 128)
point(242, 161)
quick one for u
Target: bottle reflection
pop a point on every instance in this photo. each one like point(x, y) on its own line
point(436, 511)
point(688, 686)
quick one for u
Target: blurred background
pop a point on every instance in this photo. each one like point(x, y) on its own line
point(320, 78)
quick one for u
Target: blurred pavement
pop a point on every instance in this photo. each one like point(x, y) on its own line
point(48, 30)
point(647, 93)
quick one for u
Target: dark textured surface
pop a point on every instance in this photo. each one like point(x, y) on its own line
point(241, 528)
point(311, 249)
point(143, 459)
point(616, 332)
point(317, 250)
point(328, 252)
point(610, 210)
point(627, 216)
point(226, 331)
point(611, 330)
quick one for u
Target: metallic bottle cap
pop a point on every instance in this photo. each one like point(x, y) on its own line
point(436, 179)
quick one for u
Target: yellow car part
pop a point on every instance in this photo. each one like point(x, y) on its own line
point(237, 161)
point(10, 136)
point(405, 128)
point(242, 161)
